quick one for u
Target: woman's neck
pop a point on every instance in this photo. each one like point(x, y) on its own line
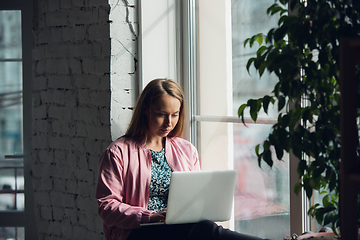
point(156, 144)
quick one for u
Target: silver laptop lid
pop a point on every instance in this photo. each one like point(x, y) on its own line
point(200, 195)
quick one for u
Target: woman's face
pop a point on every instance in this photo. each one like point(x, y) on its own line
point(163, 116)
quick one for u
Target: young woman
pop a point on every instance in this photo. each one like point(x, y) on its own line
point(134, 171)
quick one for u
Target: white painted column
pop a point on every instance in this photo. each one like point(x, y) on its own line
point(157, 40)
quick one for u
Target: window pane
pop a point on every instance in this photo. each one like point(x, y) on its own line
point(7, 201)
point(262, 203)
point(248, 17)
point(11, 128)
point(11, 185)
point(262, 197)
point(20, 201)
point(20, 177)
point(10, 35)
point(11, 121)
point(11, 77)
point(17, 233)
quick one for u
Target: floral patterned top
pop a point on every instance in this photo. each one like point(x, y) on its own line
point(160, 181)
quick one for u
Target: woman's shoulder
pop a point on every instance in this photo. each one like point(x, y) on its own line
point(123, 142)
point(122, 148)
point(182, 154)
point(178, 141)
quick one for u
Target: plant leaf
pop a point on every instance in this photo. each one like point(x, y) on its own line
point(281, 103)
point(261, 50)
point(302, 166)
point(279, 151)
point(265, 102)
point(250, 61)
point(241, 112)
point(254, 110)
point(259, 39)
point(297, 188)
point(307, 187)
point(267, 157)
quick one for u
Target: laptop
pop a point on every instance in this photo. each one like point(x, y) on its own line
point(200, 195)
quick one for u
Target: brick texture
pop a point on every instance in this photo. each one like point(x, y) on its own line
point(76, 76)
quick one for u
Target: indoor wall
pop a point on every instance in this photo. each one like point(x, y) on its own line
point(72, 103)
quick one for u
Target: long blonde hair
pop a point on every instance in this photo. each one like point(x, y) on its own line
point(139, 126)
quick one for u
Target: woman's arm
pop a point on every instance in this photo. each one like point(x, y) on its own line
point(110, 194)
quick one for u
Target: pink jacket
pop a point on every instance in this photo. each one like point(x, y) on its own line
point(123, 184)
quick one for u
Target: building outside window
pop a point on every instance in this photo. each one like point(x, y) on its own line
point(16, 196)
point(11, 134)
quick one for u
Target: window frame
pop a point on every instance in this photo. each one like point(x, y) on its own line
point(24, 218)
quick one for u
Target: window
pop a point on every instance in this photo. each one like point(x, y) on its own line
point(262, 194)
point(11, 168)
point(16, 210)
point(265, 204)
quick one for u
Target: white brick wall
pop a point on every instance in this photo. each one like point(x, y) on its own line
point(75, 86)
point(124, 33)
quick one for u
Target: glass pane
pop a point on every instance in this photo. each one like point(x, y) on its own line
point(262, 203)
point(248, 17)
point(20, 201)
point(20, 178)
point(11, 121)
point(7, 180)
point(11, 185)
point(13, 233)
point(11, 77)
point(7, 201)
point(10, 35)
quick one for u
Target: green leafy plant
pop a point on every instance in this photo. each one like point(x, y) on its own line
point(303, 52)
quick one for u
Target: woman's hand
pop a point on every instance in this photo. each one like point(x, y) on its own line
point(158, 216)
